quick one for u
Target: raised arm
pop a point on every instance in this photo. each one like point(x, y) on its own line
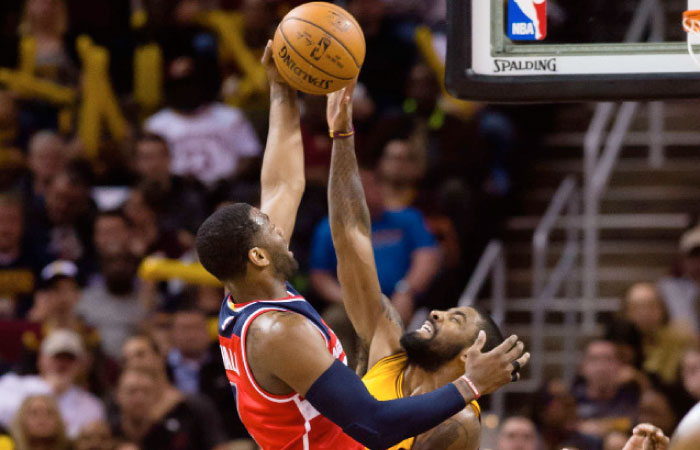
point(376, 322)
point(282, 177)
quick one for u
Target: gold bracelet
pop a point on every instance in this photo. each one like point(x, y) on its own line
point(334, 134)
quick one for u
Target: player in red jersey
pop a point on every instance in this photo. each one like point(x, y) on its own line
point(286, 366)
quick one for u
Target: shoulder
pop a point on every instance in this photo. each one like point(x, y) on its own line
point(226, 112)
point(408, 216)
point(280, 329)
point(157, 121)
point(461, 431)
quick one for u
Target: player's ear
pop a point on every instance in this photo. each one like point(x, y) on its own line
point(259, 257)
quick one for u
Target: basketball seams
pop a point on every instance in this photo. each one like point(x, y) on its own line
point(342, 12)
point(347, 50)
point(289, 44)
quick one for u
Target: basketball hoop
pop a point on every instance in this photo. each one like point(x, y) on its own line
point(691, 24)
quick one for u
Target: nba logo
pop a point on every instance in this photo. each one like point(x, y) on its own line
point(527, 20)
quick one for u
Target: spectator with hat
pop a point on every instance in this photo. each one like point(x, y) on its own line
point(57, 295)
point(681, 293)
point(55, 308)
point(61, 362)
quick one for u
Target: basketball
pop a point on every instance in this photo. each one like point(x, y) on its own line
point(318, 48)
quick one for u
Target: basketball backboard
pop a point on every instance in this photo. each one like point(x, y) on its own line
point(570, 50)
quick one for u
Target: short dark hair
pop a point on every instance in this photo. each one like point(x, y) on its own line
point(224, 239)
point(494, 337)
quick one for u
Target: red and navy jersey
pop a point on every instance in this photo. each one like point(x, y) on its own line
point(286, 422)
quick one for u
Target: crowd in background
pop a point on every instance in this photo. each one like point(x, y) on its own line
point(645, 368)
point(92, 356)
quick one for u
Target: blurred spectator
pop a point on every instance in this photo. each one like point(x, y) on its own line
point(405, 252)
point(681, 293)
point(111, 233)
point(11, 138)
point(55, 301)
point(20, 261)
point(450, 143)
point(390, 50)
point(664, 342)
point(628, 339)
point(136, 395)
point(615, 440)
point(61, 362)
point(196, 367)
point(208, 140)
point(64, 225)
point(401, 167)
point(55, 308)
point(655, 408)
point(94, 436)
point(605, 400)
point(517, 433)
point(38, 425)
point(190, 350)
point(179, 202)
point(554, 411)
point(688, 393)
point(168, 419)
point(112, 301)
point(46, 21)
point(46, 158)
point(146, 236)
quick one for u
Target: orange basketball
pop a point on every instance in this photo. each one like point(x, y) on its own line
point(318, 48)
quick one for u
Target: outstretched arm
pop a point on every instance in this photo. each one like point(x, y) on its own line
point(282, 177)
point(290, 355)
point(371, 314)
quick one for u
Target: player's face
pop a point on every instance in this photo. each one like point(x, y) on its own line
point(442, 337)
point(272, 240)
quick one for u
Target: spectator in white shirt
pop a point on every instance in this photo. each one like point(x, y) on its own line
point(61, 361)
point(208, 140)
point(682, 294)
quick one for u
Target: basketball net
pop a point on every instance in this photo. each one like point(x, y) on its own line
point(691, 24)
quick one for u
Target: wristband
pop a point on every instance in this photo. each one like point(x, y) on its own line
point(339, 134)
point(471, 386)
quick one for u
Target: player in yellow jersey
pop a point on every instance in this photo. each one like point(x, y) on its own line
point(420, 361)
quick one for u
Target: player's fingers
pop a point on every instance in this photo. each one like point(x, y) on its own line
point(349, 90)
point(515, 352)
point(661, 438)
point(523, 360)
point(506, 345)
point(644, 429)
point(479, 342)
point(267, 54)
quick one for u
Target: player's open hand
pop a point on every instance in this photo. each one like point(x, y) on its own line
point(273, 75)
point(647, 437)
point(489, 371)
point(339, 109)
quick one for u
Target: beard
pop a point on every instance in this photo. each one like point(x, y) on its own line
point(285, 265)
point(427, 353)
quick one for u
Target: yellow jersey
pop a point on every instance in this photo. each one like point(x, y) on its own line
point(385, 382)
